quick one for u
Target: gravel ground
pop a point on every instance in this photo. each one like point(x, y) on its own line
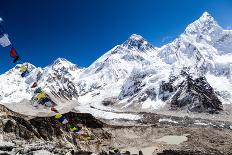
point(206, 133)
point(201, 140)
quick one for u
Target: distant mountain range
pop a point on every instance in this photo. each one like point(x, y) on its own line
point(192, 72)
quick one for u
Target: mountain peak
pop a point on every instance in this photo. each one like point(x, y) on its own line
point(206, 14)
point(18, 66)
point(60, 60)
point(204, 25)
point(136, 37)
point(62, 63)
point(206, 17)
point(137, 42)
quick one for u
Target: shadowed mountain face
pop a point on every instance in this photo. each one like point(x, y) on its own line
point(197, 95)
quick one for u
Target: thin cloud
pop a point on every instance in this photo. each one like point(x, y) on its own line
point(167, 39)
point(229, 27)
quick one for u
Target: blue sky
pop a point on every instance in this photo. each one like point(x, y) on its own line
point(83, 30)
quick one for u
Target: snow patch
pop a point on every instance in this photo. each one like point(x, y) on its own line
point(198, 122)
point(167, 120)
point(42, 152)
point(106, 115)
point(153, 104)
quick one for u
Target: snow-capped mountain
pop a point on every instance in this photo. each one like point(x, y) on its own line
point(65, 68)
point(137, 74)
point(56, 80)
point(13, 87)
point(105, 77)
point(202, 50)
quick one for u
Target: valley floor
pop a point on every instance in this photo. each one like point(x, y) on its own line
point(148, 139)
point(162, 133)
point(198, 133)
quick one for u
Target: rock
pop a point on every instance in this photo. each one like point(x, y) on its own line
point(9, 126)
point(166, 90)
point(46, 133)
point(109, 101)
point(6, 148)
point(197, 95)
point(82, 153)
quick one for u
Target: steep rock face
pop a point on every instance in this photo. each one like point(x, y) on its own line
point(154, 88)
point(141, 89)
point(197, 95)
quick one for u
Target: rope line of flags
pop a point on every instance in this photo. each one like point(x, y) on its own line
point(42, 98)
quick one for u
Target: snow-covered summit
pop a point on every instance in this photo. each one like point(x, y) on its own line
point(136, 37)
point(206, 17)
point(198, 45)
point(62, 63)
point(137, 42)
point(65, 67)
point(205, 28)
point(104, 78)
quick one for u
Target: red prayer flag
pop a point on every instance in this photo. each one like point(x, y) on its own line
point(13, 52)
point(34, 85)
point(54, 109)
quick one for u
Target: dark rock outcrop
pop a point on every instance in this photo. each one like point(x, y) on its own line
point(47, 133)
point(47, 127)
point(197, 95)
point(167, 89)
point(109, 101)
